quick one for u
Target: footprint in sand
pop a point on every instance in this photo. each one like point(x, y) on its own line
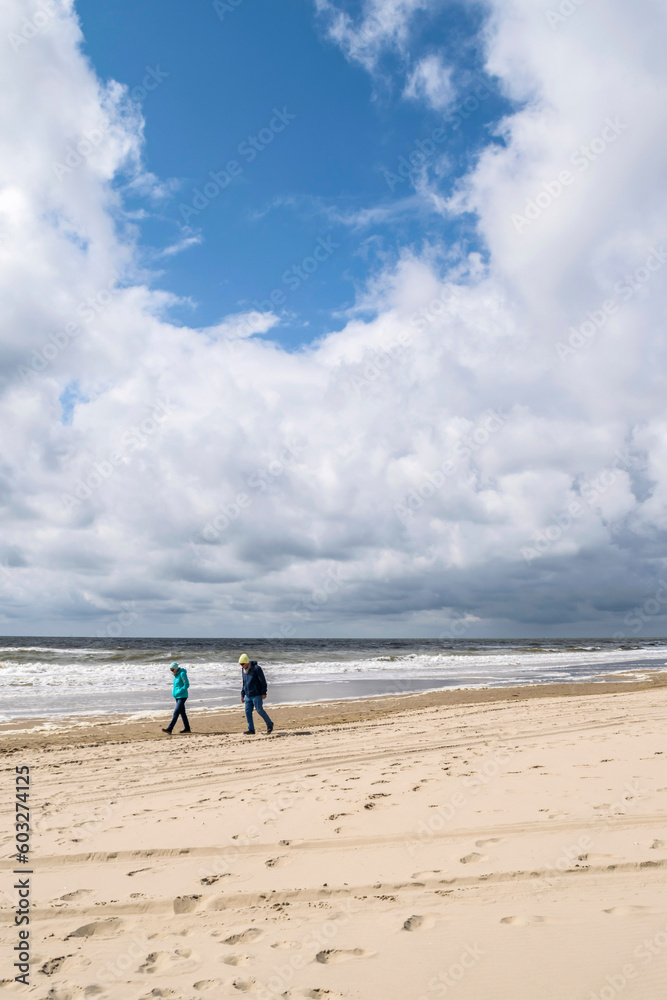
point(101, 928)
point(523, 921)
point(236, 959)
point(150, 963)
point(418, 923)
point(244, 936)
point(657, 845)
point(62, 963)
point(316, 994)
point(633, 911)
point(212, 879)
point(94, 990)
point(244, 985)
point(472, 858)
point(204, 985)
point(178, 961)
point(431, 871)
point(52, 965)
point(276, 862)
point(75, 895)
point(284, 945)
point(491, 840)
point(331, 956)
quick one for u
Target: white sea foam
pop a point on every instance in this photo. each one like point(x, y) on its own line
point(51, 680)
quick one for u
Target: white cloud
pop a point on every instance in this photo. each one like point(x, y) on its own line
point(403, 466)
point(383, 25)
point(431, 81)
point(183, 244)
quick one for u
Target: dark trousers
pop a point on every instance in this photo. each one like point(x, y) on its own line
point(179, 710)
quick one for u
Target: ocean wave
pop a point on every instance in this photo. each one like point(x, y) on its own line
point(41, 680)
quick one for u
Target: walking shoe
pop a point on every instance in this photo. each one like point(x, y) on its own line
point(167, 731)
point(185, 730)
point(249, 732)
point(269, 729)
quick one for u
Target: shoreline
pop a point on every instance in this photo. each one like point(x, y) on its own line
point(41, 732)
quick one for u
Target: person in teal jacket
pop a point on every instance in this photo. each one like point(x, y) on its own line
point(180, 693)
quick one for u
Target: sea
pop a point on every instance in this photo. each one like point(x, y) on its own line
point(51, 678)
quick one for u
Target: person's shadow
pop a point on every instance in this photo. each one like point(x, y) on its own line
point(235, 732)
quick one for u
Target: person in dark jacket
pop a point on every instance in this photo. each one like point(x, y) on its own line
point(180, 692)
point(253, 693)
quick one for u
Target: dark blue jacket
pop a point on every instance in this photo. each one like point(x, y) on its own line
point(254, 681)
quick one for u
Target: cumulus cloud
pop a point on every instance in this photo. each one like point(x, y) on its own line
point(489, 443)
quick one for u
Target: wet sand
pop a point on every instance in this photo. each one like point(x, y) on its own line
point(83, 730)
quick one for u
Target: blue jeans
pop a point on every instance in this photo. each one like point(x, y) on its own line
point(179, 710)
point(256, 703)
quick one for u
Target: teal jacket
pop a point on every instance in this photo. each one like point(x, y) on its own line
point(181, 684)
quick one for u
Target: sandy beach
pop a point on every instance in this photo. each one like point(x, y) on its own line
point(505, 844)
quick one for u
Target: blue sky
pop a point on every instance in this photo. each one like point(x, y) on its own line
point(227, 72)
